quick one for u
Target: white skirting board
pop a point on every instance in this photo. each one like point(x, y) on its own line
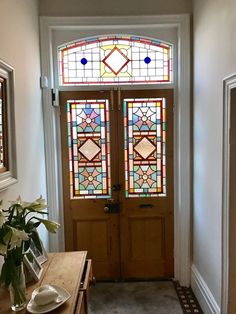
point(203, 293)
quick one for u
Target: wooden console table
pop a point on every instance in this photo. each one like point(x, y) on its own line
point(69, 270)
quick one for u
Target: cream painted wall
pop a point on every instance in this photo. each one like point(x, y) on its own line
point(214, 59)
point(108, 7)
point(19, 46)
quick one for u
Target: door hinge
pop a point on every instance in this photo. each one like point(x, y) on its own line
point(54, 93)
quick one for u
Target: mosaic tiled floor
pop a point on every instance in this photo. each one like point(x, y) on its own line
point(187, 300)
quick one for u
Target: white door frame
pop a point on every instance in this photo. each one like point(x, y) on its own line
point(228, 84)
point(182, 152)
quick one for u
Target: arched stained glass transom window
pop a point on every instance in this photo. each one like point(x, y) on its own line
point(116, 59)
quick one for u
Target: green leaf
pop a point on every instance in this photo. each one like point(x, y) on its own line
point(36, 224)
point(7, 273)
point(3, 274)
point(27, 245)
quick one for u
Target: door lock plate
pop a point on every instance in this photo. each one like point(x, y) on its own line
point(112, 208)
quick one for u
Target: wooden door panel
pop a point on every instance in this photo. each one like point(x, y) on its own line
point(94, 235)
point(147, 238)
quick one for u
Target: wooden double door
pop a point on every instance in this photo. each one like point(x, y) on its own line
point(117, 158)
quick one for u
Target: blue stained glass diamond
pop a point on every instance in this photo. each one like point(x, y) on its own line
point(84, 61)
point(147, 60)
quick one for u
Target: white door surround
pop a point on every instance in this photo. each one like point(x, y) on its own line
point(228, 84)
point(182, 152)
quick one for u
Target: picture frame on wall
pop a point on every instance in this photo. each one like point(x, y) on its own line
point(8, 165)
point(33, 266)
point(41, 256)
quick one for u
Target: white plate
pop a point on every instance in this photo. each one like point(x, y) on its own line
point(32, 307)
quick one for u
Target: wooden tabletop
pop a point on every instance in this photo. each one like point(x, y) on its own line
point(61, 269)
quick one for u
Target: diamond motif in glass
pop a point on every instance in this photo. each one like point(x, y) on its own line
point(145, 147)
point(115, 60)
point(89, 149)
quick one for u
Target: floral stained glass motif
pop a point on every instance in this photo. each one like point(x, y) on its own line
point(145, 147)
point(115, 60)
point(89, 148)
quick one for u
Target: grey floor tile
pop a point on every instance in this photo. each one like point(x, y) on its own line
point(157, 297)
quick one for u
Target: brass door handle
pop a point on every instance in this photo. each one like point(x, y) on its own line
point(111, 208)
point(106, 209)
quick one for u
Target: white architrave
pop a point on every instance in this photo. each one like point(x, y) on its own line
point(228, 84)
point(183, 190)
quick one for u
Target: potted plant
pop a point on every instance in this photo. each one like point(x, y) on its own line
point(18, 225)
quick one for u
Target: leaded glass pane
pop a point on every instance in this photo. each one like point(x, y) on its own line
point(145, 147)
point(115, 60)
point(89, 148)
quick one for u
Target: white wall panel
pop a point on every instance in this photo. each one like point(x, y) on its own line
point(214, 59)
point(19, 37)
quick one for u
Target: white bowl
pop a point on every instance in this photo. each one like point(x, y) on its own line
point(32, 307)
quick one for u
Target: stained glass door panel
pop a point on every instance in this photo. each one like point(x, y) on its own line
point(145, 159)
point(89, 148)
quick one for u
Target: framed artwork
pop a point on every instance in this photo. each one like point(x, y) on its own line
point(41, 257)
point(8, 170)
point(32, 264)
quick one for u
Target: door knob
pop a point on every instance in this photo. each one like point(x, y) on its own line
point(111, 208)
point(106, 209)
